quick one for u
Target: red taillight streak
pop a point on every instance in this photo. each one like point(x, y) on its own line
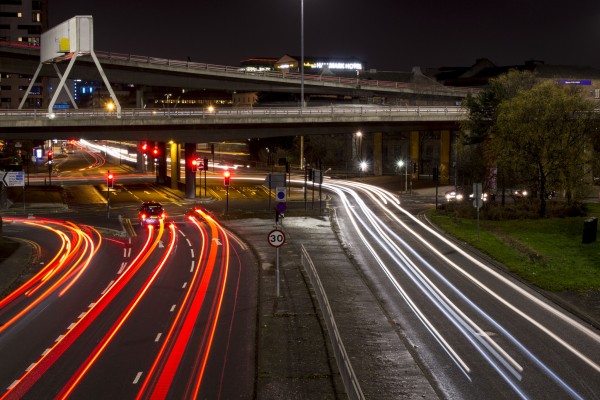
point(99, 349)
point(213, 328)
point(166, 348)
point(42, 281)
point(160, 385)
point(169, 369)
point(35, 373)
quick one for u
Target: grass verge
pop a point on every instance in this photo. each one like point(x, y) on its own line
point(548, 253)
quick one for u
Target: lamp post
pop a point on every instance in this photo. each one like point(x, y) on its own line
point(301, 77)
point(359, 150)
point(400, 164)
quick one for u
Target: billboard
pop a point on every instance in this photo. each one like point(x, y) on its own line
point(75, 35)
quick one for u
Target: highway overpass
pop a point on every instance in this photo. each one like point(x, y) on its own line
point(201, 125)
point(152, 71)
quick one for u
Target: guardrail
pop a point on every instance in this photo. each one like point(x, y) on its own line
point(132, 113)
point(372, 83)
point(349, 378)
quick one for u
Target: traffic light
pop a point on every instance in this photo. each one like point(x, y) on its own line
point(50, 155)
point(144, 147)
point(205, 165)
point(194, 164)
point(110, 180)
point(155, 152)
point(226, 177)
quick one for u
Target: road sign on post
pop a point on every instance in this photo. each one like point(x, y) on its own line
point(477, 195)
point(276, 238)
point(13, 178)
point(281, 194)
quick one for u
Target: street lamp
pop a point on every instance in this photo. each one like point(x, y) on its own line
point(401, 164)
point(359, 138)
point(363, 166)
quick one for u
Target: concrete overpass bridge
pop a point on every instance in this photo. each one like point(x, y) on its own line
point(425, 129)
point(422, 135)
point(146, 71)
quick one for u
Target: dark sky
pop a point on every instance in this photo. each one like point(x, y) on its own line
point(389, 35)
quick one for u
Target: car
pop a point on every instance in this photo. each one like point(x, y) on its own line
point(454, 195)
point(484, 196)
point(151, 213)
point(519, 194)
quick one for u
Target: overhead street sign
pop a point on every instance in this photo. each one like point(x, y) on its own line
point(13, 178)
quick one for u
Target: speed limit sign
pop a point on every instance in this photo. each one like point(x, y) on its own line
point(276, 238)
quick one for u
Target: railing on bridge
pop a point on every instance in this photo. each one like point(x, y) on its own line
point(131, 113)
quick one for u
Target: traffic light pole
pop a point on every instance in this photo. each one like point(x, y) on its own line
point(108, 195)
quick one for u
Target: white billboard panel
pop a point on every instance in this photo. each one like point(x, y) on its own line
point(75, 35)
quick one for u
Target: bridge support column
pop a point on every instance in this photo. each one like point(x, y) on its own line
point(190, 181)
point(161, 172)
point(140, 160)
point(444, 157)
point(414, 154)
point(377, 154)
point(175, 175)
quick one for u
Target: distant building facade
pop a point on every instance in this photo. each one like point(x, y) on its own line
point(22, 22)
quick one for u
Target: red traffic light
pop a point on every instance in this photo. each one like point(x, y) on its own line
point(50, 154)
point(194, 164)
point(155, 152)
point(144, 147)
point(110, 180)
point(227, 177)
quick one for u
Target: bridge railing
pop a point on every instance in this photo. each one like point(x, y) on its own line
point(146, 113)
point(357, 82)
point(282, 74)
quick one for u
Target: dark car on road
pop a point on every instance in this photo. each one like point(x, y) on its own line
point(151, 213)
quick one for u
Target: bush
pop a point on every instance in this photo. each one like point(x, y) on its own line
point(520, 210)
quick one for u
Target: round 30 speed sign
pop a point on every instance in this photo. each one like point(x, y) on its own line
point(276, 238)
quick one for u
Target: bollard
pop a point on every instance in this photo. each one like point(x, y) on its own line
point(590, 229)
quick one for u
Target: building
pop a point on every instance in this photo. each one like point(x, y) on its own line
point(22, 23)
point(478, 74)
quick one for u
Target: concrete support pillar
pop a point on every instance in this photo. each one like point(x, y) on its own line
point(377, 154)
point(444, 157)
point(139, 98)
point(161, 173)
point(174, 151)
point(190, 176)
point(141, 159)
point(414, 153)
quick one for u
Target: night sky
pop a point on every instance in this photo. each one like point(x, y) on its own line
point(389, 35)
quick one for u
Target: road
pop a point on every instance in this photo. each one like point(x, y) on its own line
point(166, 313)
point(477, 330)
point(163, 311)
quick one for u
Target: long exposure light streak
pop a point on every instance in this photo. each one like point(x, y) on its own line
point(107, 339)
point(19, 388)
point(387, 239)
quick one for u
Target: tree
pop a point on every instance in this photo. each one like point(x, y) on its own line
point(481, 123)
point(545, 130)
point(483, 109)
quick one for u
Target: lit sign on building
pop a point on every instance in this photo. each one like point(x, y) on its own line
point(582, 82)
